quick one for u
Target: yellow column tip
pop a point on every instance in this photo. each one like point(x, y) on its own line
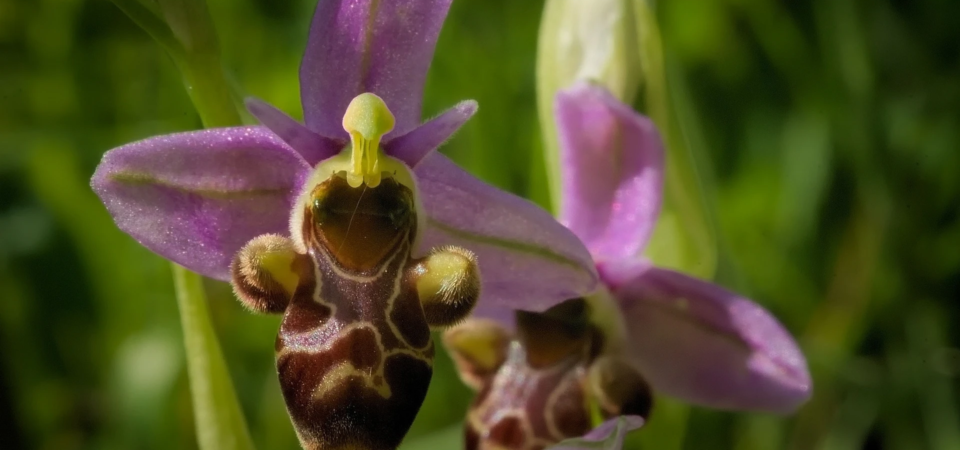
point(367, 119)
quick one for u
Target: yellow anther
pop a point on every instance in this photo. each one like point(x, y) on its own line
point(367, 119)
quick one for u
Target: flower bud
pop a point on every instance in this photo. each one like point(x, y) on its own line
point(583, 40)
point(588, 40)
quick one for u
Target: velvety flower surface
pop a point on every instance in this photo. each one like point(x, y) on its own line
point(689, 338)
point(197, 197)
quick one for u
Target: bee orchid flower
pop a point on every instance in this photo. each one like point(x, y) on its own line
point(350, 224)
point(646, 330)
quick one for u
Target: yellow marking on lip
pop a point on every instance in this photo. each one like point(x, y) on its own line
point(550, 408)
point(397, 287)
point(339, 373)
point(406, 347)
point(418, 354)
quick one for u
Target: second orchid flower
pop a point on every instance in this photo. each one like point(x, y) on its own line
point(685, 337)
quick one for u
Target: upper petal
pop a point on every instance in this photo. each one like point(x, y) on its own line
point(196, 198)
point(699, 342)
point(311, 146)
point(357, 46)
point(611, 162)
point(527, 259)
point(608, 436)
point(412, 147)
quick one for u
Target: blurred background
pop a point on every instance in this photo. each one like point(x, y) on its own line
point(826, 134)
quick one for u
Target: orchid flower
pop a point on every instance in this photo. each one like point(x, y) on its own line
point(646, 326)
point(350, 224)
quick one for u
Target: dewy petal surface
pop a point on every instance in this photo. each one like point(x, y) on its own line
point(196, 198)
point(378, 46)
point(412, 147)
point(608, 436)
point(611, 161)
point(699, 342)
point(311, 146)
point(527, 259)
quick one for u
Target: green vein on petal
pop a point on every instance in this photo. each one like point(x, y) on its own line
point(516, 246)
point(145, 179)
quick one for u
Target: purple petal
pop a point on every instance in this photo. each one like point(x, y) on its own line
point(611, 161)
point(504, 315)
point(196, 198)
point(527, 259)
point(358, 46)
point(412, 147)
point(699, 342)
point(608, 436)
point(311, 146)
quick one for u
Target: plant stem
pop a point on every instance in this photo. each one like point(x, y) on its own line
point(219, 419)
point(184, 28)
point(217, 414)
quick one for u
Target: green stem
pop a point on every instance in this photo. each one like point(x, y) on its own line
point(548, 82)
point(685, 237)
point(184, 28)
point(208, 89)
point(667, 430)
point(217, 414)
point(153, 24)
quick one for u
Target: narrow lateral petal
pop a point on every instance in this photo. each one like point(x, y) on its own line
point(527, 259)
point(608, 436)
point(378, 46)
point(611, 162)
point(311, 146)
point(196, 198)
point(412, 147)
point(697, 341)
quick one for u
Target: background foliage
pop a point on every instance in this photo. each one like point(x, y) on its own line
point(827, 132)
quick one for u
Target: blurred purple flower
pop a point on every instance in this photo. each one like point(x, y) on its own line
point(686, 337)
point(608, 436)
point(196, 198)
point(690, 338)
